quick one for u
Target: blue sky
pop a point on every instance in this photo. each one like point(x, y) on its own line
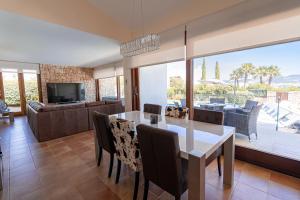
point(285, 56)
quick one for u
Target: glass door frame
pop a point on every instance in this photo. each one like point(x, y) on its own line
point(21, 86)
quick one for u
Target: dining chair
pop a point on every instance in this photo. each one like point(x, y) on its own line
point(213, 117)
point(162, 164)
point(152, 108)
point(104, 138)
point(127, 149)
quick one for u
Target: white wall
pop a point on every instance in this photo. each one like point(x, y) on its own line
point(153, 85)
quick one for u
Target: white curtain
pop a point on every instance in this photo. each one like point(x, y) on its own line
point(108, 70)
point(241, 28)
point(19, 67)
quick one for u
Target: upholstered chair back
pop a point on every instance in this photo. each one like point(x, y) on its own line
point(103, 131)
point(126, 143)
point(152, 108)
point(208, 116)
point(162, 163)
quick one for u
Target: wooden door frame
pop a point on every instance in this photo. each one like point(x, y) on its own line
point(135, 89)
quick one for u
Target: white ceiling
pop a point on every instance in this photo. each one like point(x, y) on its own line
point(27, 39)
point(158, 15)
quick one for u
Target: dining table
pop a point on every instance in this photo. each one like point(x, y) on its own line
point(197, 141)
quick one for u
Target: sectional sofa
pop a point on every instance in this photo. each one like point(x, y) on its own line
point(49, 122)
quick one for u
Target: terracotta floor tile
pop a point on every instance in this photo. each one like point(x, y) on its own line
point(66, 169)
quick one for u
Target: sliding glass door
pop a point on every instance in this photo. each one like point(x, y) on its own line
point(11, 89)
point(163, 84)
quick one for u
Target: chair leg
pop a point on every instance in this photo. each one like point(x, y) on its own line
point(136, 185)
point(219, 165)
point(146, 189)
point(99, 156)
point(118, 171)
point(111, 164)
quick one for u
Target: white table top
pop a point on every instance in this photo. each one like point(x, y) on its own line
point(193, 135)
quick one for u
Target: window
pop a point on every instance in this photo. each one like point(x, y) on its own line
point(11, 89)
point(163, 84)
point(108, 88)
point(269, 75)
point(31, 86)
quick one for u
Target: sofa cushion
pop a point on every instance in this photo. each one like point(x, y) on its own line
point(113, 102)
point(55, 107)
point(95, 103)
point(37, 106)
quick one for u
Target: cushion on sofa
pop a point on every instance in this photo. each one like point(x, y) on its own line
point(94, 103)
point(113, 102)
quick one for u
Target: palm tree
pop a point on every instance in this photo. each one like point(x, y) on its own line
point(261, 72)
point(247, 69)
point(203, 77)
point(217, 71)
point(236, 75)
point(272, 72)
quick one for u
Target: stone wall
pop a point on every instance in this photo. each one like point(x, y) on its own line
point(68, 74)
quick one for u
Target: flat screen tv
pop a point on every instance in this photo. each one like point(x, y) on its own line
point(65, 92)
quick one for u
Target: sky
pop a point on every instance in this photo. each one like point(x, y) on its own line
point(286, 56)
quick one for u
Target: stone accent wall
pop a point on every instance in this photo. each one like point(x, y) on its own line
point(68, 74)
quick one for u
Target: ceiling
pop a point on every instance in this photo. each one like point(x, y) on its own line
point(158, 15)
point(88, 32)
point(30, 40)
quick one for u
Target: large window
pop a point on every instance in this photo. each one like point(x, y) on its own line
point(268, 75)
point(31, 86)
point(108, 88)
point(163, 84)
point(11, 89)
point(112, 88)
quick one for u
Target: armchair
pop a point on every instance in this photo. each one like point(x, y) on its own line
point(244, 122)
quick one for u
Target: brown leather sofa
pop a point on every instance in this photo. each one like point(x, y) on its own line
point(55, 121)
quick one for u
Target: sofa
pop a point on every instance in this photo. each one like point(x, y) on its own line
point(49, 122)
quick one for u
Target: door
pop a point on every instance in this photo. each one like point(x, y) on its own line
point(11, 90)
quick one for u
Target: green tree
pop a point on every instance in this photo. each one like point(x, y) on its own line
point(203, 77)
point(235, 76)
point(217, 71)
point(272, 72)
point(261, 72)
point(247, 69)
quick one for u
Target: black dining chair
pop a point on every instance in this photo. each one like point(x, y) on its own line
point(152, 108)
point(162, 164)
point(213, 117)
point(104, 138)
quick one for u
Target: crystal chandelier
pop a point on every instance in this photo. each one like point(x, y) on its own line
point(144, 44)
point(140, 45)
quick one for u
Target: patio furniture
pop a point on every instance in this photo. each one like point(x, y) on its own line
point(183, 102)
point(244, 122)
point(5, 112)
point(213, 106)
point(127, 149)
point(213, 117)
point(104, 138)
point(248, 106)
point(217, 100)
point(162, 164)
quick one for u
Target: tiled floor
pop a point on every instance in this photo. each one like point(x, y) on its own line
point(66, 169)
